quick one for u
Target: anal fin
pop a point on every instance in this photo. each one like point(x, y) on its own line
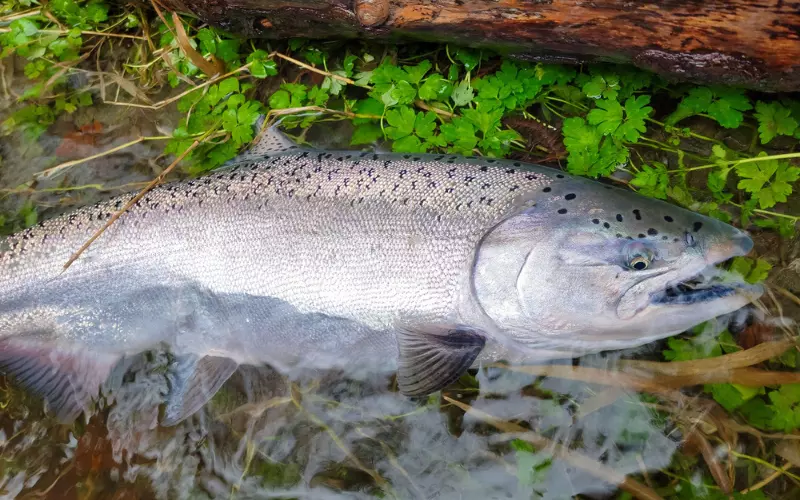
point(193, 381)
point(433, 357)
point(66, 377)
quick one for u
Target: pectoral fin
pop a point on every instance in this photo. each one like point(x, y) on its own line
point(193, 381)
point(66, 377)
point(433, 357)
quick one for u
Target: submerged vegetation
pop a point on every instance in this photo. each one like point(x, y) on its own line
point(725, 152)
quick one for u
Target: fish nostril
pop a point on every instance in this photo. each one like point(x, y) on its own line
point(734, 245)
point(744, 242)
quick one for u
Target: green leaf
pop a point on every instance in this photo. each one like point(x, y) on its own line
point(751, 270)
point(24, 26)
point(416, 73)
point(401, 121)
point(770, 181)
point(607, 116)
point(228, 50)
point(425, 124)
point(367, 106)
point(461, 134)
point(652, 181)
point(366, 133)
point(485, 121)
point(726, 395)
point(462, 94)
point(605, 86)
point(408, 144)
point(636, 111)
point(435, 88)
point(774, 119)
point(468, 57)
point(728, 106)
point(229, 85)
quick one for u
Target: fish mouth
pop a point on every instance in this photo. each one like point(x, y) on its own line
point(711, 284)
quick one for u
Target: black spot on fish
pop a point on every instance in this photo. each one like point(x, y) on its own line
point(642, 235)
point(484, 168)
point(697, 226)
point(559, 176)
point(416, 158)
point(517, 164)
point(547, 189)
point(637, 213)
point(619, 235)
point(606, 225)
point(570, 196)
point(665, 238)
point(668, 218)
point(510, 171)
point(596, 221)
point(652, 232)
point(619, 217)
point(562, 210)
point(406, 156)
point(490, 161)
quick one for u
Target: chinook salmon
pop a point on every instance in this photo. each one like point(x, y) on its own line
point(423, 264)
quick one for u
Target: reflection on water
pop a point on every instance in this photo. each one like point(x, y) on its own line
point(323, 436)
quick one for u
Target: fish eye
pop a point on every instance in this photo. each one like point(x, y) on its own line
point(639, 263)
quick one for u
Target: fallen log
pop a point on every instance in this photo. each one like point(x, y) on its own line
point(750, 43)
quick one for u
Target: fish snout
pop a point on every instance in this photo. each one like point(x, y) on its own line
point(737, 244)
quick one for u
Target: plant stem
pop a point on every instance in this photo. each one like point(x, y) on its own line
point(785, 156)
point(764, 463)
point(314, 69)
point(133, 201)
point(50, 172)
point(83, 32)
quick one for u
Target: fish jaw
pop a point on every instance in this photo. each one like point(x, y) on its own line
point(701, 291)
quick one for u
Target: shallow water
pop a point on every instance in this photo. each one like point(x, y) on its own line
point(320, 436)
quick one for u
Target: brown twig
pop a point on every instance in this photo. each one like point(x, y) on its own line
point(210, 68)
point(696, 439)
point(50, 172)
point(740, 359)
point(575, 459)
point(421, 105)
point(172, 99)
point(314, 69)
point(128, 205)
point(663, 383)
point(83, 32)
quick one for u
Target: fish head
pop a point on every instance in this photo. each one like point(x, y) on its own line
point(593, 267)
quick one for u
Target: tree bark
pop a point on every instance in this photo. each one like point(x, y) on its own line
point(749, 43)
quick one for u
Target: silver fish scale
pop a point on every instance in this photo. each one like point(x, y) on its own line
point(366, 237)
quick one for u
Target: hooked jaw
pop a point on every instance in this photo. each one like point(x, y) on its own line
point(713, 284)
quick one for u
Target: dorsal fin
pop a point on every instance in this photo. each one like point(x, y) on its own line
point(273, 141)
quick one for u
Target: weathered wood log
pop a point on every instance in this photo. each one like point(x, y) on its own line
point(751, 43)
